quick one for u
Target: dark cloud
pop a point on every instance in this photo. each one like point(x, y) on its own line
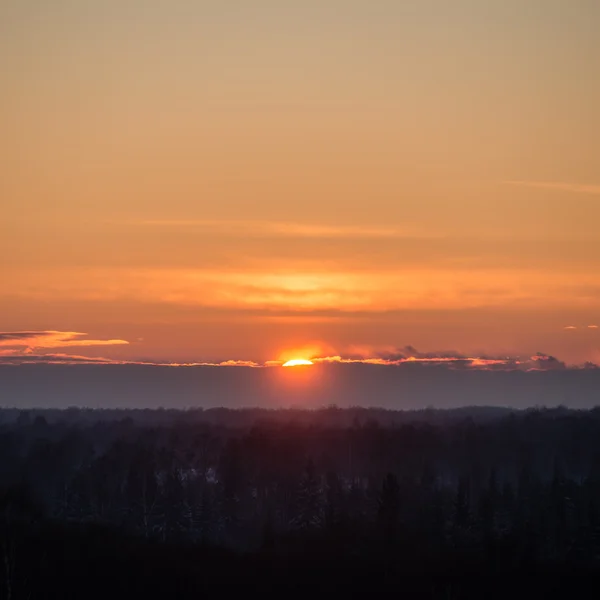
point(70, 359)
point(18, 336)
point(545, 362)
point(52, 359)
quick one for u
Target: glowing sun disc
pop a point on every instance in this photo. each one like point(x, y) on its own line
point(297, 362)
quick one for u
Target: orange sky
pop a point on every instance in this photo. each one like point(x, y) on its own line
point(232, 180)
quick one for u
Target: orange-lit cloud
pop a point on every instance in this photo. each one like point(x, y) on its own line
point(592, 326)
point(538, 362)
point(10, 357)
point(449, 359)
point(251, 228)
point(440, 360)
point(576, 188)
point(294, 288)
point(30, 341)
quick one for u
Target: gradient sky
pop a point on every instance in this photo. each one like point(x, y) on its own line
point(218, 180)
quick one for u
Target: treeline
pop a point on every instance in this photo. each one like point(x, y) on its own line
point(331, 416)
point(422, 492)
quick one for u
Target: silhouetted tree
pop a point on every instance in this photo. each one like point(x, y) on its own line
point(334, 501)
point(308, 501)
point(462, 503)
point(389, 506)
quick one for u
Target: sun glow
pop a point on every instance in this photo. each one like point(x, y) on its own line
point(297, 362)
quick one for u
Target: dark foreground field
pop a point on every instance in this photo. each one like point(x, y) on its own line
point(431, 504)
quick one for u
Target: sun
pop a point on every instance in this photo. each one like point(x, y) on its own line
point(297, 362)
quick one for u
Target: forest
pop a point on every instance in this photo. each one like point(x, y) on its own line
point(175, 502)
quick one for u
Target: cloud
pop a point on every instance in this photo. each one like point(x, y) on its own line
point(281, 229)
point(30, 341)
point(305, 288)
point(570, 327)
point(592, 326)
point(538, 362)
point(546, 362)
point(53, 359)
point(451, 360)
point(9, 357)
point(225, 363)
point(561, 186)
point(28, 347)
point(292, 288)
point(8, 336)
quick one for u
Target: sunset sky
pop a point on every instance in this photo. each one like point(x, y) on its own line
point(231, 180)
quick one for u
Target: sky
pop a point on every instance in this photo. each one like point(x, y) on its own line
point(213, 181)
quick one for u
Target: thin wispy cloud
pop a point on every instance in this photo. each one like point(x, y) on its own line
point(562, 186)
point(282, 229)
point(592, 326)
point(18, 359)
point(225, 363)
point(31, 347)
point(15, 359)
point(307, 288)
point(537, 362)
point(30, 341)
